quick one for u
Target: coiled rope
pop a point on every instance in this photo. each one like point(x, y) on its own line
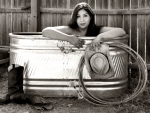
point(139, 88)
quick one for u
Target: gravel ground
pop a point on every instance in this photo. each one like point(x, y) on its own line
point(73, 105)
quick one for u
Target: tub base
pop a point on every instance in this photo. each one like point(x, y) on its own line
point(63, 88)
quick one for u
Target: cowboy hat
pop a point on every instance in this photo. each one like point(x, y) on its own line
point(98, 62)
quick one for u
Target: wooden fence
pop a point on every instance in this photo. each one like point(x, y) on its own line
point(34, 15)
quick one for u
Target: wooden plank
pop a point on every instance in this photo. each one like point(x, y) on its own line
point(54, 16)
point(13, 3)
point(98, 17)
point(110, 17)
point(13, 23)
point(141, 31)
point(18, 22)
point(8, 23)
point(115, 20)
point(126, 22)
point(147, 34)
point(68, 4)
point(4, 28)
point(13, 10)
point(141, 36)
point(68, 11)
point(28, 2)
point(101, 19)
point(35, 16)
point(134, 5)
point(2, 3)
point(8, 3)
point(46, 18)
point(25, 22)
point(102, 11)
point(16, 17)
point(79, 1)
point(19, 3)
point(1, 37)
point(29, 20)
point(105, 16)
point(66, 17)
point(44, 3)
point(25, 17)
point(8, 28)
point(60, 4)
point(91, 3)
point(72, 3)
point(2, 24)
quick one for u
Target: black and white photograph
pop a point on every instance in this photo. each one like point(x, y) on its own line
point(74, 56)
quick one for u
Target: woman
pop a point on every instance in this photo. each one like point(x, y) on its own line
point(82, 23)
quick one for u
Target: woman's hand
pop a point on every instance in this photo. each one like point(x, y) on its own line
point(77, 42)
point(96, 42)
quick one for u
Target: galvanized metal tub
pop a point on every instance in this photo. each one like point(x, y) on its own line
point(50, 72)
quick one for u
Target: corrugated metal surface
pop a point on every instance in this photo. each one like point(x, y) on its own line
point(49, 72)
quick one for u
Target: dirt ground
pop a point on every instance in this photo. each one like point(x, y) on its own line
point(73, 105)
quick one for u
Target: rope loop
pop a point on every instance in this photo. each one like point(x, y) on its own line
point(139, 88)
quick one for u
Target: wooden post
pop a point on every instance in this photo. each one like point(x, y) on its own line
point(35, 16)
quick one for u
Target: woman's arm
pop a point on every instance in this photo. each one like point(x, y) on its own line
point(62, 33)
point(107, 33)
point(57, 33)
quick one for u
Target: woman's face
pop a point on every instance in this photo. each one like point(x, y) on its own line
point(83, 19)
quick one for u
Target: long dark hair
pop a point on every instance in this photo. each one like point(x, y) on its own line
point(93, 29)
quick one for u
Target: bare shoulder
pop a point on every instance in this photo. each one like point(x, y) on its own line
point(105, 29)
